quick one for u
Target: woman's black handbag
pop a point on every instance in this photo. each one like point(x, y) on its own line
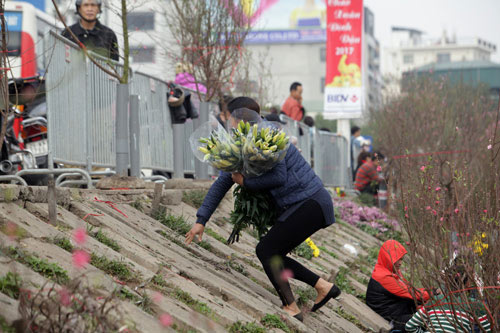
point(175, 99)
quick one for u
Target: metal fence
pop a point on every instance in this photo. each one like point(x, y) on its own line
point(81, 102)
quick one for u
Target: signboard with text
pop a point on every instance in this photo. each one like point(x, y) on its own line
point(343, 80)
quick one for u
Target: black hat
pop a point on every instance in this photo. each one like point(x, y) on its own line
point(274, 117)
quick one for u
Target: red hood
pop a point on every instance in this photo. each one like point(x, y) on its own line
point(390, 252)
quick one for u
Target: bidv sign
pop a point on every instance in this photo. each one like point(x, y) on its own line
point(342, 98)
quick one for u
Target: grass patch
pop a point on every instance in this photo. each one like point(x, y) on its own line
point(237, 266)
point(194, 198)
point(273, 321)
point(350, 318)
point(365, 199)
point(104, 239)
point(9, 285)
point(4, 327)
point(47, 269)
point(304, 251)
point(159, 281)
point(113, 267)
point(137, 204)
point(176, 223)
point(204, 244)
point(194, 304)
point(215, 235)
point(330, 253)
point(64, 243)
point(342, 281)
point(304, 294)
point(239, 327)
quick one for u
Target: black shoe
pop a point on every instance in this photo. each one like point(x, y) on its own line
point(333, 293)
point(299, 316)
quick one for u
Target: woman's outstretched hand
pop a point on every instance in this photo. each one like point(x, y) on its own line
point(197, 229)
point(238, 178)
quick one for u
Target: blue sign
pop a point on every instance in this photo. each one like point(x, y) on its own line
point(14, 21)
point(40, 4)
point(286, 36)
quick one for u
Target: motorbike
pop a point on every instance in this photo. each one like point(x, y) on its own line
point(27, 146)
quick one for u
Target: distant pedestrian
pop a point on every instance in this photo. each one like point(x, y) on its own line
point(293, 104)
point(90, 32)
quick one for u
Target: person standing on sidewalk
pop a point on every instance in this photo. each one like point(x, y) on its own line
point(90, 32)
point(293, 104)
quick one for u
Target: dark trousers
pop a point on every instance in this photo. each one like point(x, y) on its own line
point(283, 237)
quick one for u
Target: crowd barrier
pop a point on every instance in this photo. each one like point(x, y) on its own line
point(81, 101)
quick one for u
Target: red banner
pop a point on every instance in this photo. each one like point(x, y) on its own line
point(343, 86)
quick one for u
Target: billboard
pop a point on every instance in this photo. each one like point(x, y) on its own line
point(343, 80)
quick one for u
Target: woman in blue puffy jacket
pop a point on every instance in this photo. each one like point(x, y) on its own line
point(304, 207)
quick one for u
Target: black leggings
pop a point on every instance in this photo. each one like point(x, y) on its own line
point(283, 238)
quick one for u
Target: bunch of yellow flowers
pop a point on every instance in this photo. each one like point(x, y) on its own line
point(312, 246)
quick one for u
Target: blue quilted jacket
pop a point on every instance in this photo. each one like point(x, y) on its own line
point(290, 182)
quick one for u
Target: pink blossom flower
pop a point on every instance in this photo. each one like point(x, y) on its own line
point(64, 297)
point(438, 189)
point(406, 208)
point(422, 168)
point(80, 259)
point(157, 297)
point(80, 236)
point(434, 212)
point(286, 274)
point(429, 188)
point(165, 320)
point(379, 168)
point(456, 210)
point(437, 202)
point(489, 147)
point(441, 219)
point(406, 215)
point(428, 208)
point(456, 128)
point(485, 211)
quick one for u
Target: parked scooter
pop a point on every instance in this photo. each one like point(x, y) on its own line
point(29, 127)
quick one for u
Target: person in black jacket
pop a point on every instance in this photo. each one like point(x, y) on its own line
point(90, 32)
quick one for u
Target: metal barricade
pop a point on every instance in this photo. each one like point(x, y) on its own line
point(188, 153)
point(156, 139)
point(330, 159)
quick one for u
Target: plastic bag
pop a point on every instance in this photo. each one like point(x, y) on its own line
point(212, 144)
point(265, 146)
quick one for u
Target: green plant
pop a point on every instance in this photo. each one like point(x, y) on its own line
point(194, 304)
point(159, 281)
point(104, 239)
point(250, 209)
point(273, 321)
point(236, 266)
point(4, 327)
point(303, 295)
point(49, 270)
point(239, 327)
point(215, 235)
point(330, 253)
point(113, 267)
point(124, 293)
point(137, 204)
point(194, 197)
point(176, 223)
point(303, 250)
point(9, 285)
point(342, 281)
point(340, 311)
point(365, 199)
point(64, 243)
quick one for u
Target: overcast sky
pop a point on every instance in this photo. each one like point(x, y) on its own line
point(465, 18)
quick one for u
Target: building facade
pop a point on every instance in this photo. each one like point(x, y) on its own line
point(300, 55)
point(409, 50)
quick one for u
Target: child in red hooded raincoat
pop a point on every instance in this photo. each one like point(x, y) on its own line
point(389, 294)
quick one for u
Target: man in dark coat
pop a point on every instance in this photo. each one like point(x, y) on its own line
point(90, 32)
